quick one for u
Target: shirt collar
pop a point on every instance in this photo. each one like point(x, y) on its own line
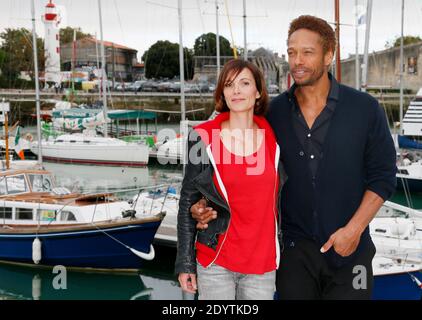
point(332, 95)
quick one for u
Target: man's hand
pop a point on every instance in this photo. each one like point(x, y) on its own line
point(344, 240)
point(188, 282)
point(203, 214)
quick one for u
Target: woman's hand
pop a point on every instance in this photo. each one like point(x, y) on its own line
point(188, 282)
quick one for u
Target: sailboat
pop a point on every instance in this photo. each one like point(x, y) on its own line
point(42, 224)
point(88, 148)
point(409, 176)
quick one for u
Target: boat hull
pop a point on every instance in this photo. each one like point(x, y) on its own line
point(86, 248)
point(399, 286)
point(135, 155)
point(412, 185)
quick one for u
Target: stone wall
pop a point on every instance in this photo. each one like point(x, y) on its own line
point(383, 68)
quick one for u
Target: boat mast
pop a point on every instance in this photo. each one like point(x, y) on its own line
point(245, 54)
point(217, 39)
point(357, 64)
point(181, 62)
point(365, 55)
point(98, 62)
point(37, 86)
point(4, 108)
point(337, 19)
point(73, 63)
point(401, 68)
point(103, 71)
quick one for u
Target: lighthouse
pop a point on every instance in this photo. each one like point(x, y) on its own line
point(51, 21)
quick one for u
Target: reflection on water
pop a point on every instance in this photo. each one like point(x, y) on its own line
point(85, 178)
point(415, 199)
point(156, 280)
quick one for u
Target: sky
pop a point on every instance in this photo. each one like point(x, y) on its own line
point(140, 23)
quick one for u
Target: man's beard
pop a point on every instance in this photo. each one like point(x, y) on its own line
point(313, 78)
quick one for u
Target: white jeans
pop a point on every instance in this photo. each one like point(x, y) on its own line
point(218, 283)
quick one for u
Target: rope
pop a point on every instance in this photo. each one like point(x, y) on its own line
point(231, 31)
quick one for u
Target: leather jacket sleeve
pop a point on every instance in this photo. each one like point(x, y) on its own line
point(189, 195)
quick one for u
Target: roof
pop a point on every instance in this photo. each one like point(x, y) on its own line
point(76, 113)
point(110, 44)
point(131, 114)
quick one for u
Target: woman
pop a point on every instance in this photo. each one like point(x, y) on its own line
point(232, 163)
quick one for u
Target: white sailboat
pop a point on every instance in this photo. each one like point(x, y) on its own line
point(48, 225)
point(87, 148)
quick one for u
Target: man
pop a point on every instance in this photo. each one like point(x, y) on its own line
point(339, 157)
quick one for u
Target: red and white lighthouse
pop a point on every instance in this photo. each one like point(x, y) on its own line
point(51, 21)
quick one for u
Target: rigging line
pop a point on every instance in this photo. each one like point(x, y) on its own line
point(119, 20)
point(200, 16)
point(169, 7)
point(104, 232)
point(233, 15)
point(161, 60)
point(231, 31)
point(406, 191)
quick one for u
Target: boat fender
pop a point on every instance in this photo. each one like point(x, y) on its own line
point(36, 250)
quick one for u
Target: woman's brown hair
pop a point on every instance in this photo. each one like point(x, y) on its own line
point(230, 71)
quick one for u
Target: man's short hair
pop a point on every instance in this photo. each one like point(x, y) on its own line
point(318, 25)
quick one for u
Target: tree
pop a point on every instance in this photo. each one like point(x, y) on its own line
point(205, 45)
point(18, 53)
point(66, 35)
point(162, 60)
point(2, 59)
point(406, 40)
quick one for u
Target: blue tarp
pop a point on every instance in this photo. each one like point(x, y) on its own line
point(408, 143)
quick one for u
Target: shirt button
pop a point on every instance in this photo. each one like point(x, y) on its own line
point(301, 153)
point(312, 156)
point(309, 135)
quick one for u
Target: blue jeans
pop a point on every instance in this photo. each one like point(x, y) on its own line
point(218, 283)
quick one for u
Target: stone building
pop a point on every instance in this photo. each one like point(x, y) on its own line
point(121, 61)
point(384, 68)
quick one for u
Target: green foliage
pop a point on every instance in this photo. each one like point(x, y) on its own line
point(162, 60)
point(66, 35)
point(406, 40)
point(205, 45)
point(17, 53)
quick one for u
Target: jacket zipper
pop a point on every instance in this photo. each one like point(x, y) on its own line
point(228, 226)
point(223, 189)
point(275, 206)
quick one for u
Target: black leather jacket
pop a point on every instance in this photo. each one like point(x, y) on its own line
point(198, 183)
